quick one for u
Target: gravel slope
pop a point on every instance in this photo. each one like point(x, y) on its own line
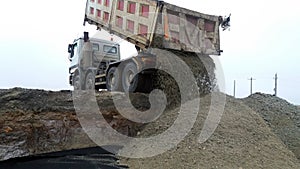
point(242, 140)
point(282, 117)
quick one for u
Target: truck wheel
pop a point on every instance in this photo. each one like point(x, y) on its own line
point(76, 82)
point(90, 81)
point(130, 77)
point(113, 79)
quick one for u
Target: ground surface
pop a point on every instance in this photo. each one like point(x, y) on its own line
point(36, 121)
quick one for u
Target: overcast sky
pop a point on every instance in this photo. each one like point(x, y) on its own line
point(264, 39)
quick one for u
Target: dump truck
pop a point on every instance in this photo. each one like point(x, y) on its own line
point(148, 24)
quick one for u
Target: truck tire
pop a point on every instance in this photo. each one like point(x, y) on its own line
point(90, 81)
point(76, 82)
point(113, 79)
point(130, 77)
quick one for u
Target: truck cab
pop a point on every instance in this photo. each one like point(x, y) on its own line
point(90, 59)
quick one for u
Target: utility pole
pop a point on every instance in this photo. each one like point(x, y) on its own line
point(275, 89)
point(234, 87)
point(251, 85)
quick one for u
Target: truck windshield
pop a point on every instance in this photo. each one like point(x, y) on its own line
point(74, 50)
point(110, 49)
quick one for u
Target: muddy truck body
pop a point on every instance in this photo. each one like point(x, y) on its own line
point(147, 24)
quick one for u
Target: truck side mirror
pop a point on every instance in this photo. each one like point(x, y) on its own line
point(70, 48)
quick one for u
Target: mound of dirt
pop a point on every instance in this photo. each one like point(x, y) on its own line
point(282, 117)
point(242, 140)
point(37, 121)
point(26, 100)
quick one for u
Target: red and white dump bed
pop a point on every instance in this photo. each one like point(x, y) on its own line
point(152, 23)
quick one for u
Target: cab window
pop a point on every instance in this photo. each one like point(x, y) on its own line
point(95, 47)
point(110, 49)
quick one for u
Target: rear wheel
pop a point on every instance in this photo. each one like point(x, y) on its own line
point(90, 81)
point(130, 77)
point(113, 79)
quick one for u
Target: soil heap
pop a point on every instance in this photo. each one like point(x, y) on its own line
point(242, 140)
point(281, 116)
point(38, 121)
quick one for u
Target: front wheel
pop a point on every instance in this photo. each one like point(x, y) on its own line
point(90, 81)
point(76, 82)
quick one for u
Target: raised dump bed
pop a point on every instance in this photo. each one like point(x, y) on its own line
point(152, 23)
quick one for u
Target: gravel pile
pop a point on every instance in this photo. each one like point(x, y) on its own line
point(242, 140)
point(282, 117)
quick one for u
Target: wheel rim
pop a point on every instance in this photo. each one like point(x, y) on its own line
point(76, 83)
point(89, 82)
point(76, 86)
point(129, 78)
point(112, 81)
